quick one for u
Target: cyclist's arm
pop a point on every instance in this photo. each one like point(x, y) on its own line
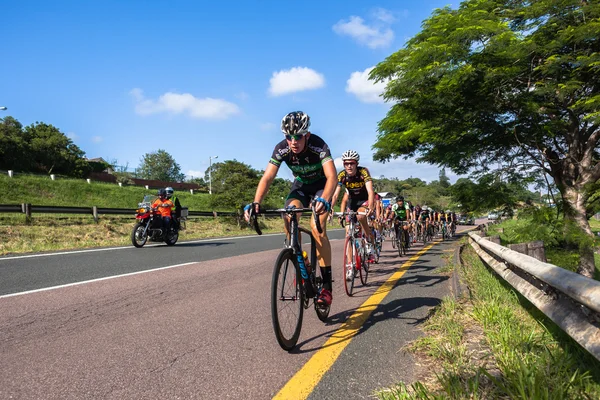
point(332, 180)
point(336, 195)
point(265, 182)
point(344, 202)
point(371, 193)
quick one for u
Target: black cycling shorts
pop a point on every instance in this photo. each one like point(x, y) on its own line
point(355, 204)
point(305, 191)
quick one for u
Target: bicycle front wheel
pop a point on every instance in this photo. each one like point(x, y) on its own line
point(350, 264)
point(287, 306)
point(364, 266)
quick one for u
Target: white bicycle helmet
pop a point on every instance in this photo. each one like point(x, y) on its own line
point(350, 155)
point(295, 123)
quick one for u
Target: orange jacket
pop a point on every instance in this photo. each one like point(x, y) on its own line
point(164, 207)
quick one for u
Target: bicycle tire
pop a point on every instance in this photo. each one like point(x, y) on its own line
point(287, 259)
point(352, 263)
point(364, 266)
point(378, 246)
point(321, 310)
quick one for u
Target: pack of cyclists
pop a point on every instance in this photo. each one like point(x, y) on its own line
point(318, 185)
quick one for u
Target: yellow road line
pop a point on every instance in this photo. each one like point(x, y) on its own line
point(306, 379)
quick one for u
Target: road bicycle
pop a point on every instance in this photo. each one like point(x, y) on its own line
point(443, 230)
point(429, 232)
point(401, 242)
point(420, 231)
point(356, 257)
point(378, 242)
point(293, 285)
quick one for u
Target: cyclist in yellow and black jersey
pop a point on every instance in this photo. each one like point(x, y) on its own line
point(358, 185)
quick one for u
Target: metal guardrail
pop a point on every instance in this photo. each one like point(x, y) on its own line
point(581, 289)
point(560, 294)
point(29, 209)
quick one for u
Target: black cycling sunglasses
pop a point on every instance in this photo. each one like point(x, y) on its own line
point(297, 138)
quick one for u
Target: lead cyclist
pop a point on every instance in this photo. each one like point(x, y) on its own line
point(309, 158)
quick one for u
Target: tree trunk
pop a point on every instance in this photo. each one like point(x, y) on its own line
point(574, 209)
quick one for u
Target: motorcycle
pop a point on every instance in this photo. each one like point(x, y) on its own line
point(149, 225)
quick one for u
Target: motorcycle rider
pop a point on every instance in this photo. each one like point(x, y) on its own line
point(176, 210)
point(164, 207)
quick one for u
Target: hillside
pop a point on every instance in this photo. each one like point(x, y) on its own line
point(41, 190)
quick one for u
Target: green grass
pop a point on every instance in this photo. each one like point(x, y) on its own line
point(525, 230)
point(40, 190)
point(60, 232)
point(518, 355)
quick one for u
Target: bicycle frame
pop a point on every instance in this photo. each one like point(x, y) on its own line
point(305, 284)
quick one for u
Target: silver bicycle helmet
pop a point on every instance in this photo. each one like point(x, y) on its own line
point(350, 155)
point(295, 123)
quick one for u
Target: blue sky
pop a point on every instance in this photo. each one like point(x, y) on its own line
point(200, 79)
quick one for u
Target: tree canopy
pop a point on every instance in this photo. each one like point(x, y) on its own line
point(234, 184)
point(161, 166)
point(39, 147)
point(508, 84)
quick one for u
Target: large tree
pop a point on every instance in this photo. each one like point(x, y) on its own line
point(39, 147)
point(502, 83)
point(13, 147)
point(52, 151)
point(161, 166)
point(234, 184)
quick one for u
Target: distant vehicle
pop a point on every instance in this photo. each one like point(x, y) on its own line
point(493, 216)
point(466, 220)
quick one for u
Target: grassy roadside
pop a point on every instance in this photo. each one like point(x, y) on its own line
point(496, 345)
point(42, 191)
point(525, 230)
point(49, 233)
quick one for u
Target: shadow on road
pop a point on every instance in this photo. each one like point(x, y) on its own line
point(361, 319)
point(357, 320)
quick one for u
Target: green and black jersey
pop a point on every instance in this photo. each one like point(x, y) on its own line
point(401, 212)
point(307, 166)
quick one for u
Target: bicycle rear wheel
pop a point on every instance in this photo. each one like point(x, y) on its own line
point(400, 245)
point(351, 260)
point(321, 310)
point(378, 246)
point(287, 306)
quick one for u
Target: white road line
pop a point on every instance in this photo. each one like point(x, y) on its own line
point(130, 247)
point(94, 280)
point(121, 275)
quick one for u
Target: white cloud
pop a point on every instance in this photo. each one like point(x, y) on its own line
point(185, 103)
point(295, 79)
point(339, 164)
point(384, 15)
point(97, 139)
point(364, 89)
point(373, 36)
point(267, 126)
point(195, 174)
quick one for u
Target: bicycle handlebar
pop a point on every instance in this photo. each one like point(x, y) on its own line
point(254, 222)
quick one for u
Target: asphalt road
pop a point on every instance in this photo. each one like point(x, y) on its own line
point(202, 328)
